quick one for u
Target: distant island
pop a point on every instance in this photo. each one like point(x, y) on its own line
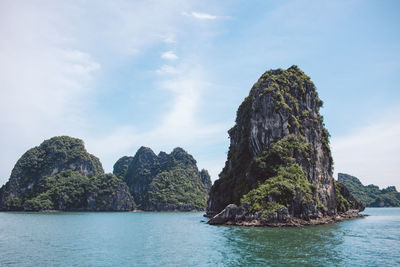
point(164, 182)
point(370, 195)
point(61, 175)
point(279, 166)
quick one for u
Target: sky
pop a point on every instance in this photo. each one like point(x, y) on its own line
point(124, 74)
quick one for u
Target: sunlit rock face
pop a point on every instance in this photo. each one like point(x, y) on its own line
point(279, 134)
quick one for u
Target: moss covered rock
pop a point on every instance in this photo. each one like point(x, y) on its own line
point(279, 154)
point(370, 195)
point(60, 174)
point(166, 181)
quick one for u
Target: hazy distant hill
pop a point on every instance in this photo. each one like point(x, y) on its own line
point(371, 195)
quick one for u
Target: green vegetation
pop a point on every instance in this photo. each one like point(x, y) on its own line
point(53, 155)
point(278, 163)
point(167, 181)
point(341, 202)
point(286, 151)
point(121, 167)
point(283, 178)
point(371, 195)
point(66, 190)
point(61, 175)
point(280, 190)
point(177, 188)
point(70, 190)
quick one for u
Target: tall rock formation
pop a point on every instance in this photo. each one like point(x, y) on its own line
point(279, 155)
point(35, 183)
point(166, 181)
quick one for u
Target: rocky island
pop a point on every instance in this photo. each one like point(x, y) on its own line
point(279, 166)
point(61, 175)
point(370, 195)
point(164, 182)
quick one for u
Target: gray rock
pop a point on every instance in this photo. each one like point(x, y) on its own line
point(241, 211)
point(281, 215)
point(281, 103)
point(228, 214)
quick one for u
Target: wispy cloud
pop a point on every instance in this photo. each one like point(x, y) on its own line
point(169, 55)
point(48, 76)
point(170, 39)
point(371, 153)
point(44, 87)
point(179, 126)
point(167, 69)
point(198, 15)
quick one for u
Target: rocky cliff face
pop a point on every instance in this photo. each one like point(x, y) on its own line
point(166, 181)
point(206, 179)
point(141, 171)
point(279, 153)
point(121, 166)
point(27, 187)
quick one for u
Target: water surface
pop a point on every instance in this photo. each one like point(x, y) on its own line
point(180, 239)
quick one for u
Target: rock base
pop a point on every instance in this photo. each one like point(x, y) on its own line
point(239, 216)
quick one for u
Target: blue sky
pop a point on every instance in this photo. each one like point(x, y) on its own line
point(121, 74)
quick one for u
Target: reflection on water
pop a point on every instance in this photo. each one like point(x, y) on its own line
point(180, 239)
point(273, 246)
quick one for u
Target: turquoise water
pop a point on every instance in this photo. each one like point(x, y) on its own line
point(180, 239)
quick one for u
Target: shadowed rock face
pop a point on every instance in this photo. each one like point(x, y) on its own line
point(280, 113)
point(141, 171)
point(165, 181)
point(206, 179)
point(121, 166)
point(34, 183)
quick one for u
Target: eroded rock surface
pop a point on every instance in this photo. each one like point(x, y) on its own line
point(279, 159)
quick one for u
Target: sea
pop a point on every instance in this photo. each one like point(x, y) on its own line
point(184, 239)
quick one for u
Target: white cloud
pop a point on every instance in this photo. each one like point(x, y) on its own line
point(167, 70)
point(198, 15)
point(50, 58)
point(44, 83)
point(178, 126)
point(169, 55)
point(371, 153)
point(169, 39)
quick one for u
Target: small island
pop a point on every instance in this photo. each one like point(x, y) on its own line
point(164, 182)
point(60, 174)
point(279, 166)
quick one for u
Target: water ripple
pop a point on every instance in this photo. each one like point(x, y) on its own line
point(179, 239)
